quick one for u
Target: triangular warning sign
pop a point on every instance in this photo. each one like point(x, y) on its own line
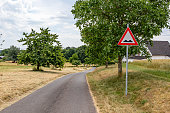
point(128, 38)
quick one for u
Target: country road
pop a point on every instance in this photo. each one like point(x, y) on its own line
point(69, 94)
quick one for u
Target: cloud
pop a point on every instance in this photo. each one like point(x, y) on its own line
point(18, 16)
point(165, 35)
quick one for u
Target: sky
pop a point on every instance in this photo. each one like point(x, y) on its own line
point(18, 16)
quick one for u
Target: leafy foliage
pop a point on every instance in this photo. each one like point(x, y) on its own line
point(10, 53)
point(43, 49)
point(68, 52)
point(74, 60)
point(103, 22)
point(80, 51)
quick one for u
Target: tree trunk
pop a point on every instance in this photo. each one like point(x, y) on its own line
point(106, 64)
point(119, 66)
point(38, 66)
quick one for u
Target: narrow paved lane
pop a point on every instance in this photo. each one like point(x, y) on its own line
point(69, 94)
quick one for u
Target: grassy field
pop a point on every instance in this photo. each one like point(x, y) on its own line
point(148, 88)
point(17, 81)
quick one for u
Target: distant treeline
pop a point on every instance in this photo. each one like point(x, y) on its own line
point(70, 54)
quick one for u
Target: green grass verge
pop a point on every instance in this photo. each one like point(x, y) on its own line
point(161, 74)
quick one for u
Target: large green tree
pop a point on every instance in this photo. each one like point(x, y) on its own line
point(103, 22)
point(43, 49)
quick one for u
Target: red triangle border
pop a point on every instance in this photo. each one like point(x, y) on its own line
point(120, 42)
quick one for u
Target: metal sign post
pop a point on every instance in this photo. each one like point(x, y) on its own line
point(127, 39)
point(126, 68)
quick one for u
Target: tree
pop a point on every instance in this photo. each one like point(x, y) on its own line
point(81, 52)
point(74, 60)
point(4, 52)
point(68, 52)
point(103, 22)
point(43, 49)
point(11, 53)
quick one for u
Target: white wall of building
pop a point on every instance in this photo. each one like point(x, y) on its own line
point(153, 57)
point(129, 60)
point(160, 57)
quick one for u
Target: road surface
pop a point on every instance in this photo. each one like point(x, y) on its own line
point(69, 94)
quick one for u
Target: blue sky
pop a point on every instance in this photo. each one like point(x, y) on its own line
point(18, 16)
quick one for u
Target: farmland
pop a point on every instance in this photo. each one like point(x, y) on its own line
point(148, 88)
point(17, 81)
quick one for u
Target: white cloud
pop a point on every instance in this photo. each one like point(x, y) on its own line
point(18, 16)
point(165, 36)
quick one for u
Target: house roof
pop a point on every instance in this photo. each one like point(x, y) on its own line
point(160, 48)
point(137, 57)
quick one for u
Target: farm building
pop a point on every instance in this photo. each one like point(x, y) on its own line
point(159, 50)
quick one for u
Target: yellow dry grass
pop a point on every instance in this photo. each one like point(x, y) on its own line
point(158, 97)
point(153, 97)
point(17, 81)
point(106, 104)
point(163, 64)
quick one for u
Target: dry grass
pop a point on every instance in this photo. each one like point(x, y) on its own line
point(106, 101)
point(17, 81)
point(163, 64)
point(146, 93)
point(156, 98)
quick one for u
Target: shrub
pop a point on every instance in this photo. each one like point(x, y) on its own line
point(76, 62)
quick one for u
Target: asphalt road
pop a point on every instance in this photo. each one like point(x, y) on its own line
point(69, 94)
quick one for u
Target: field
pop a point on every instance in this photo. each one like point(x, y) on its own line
point(148, 88)
point(17, 81)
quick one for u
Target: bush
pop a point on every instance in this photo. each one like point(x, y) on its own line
point(76, 62)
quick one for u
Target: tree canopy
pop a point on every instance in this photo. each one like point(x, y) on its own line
point(43, 49)
point(10, 53)
point(103, 22)
point(74, 60)
point(68, 52)
point(80, 51)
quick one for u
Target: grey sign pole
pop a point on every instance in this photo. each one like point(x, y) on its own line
point(126, 68)
point(127, 65)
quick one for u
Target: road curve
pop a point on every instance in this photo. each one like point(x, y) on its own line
point(69, 94)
